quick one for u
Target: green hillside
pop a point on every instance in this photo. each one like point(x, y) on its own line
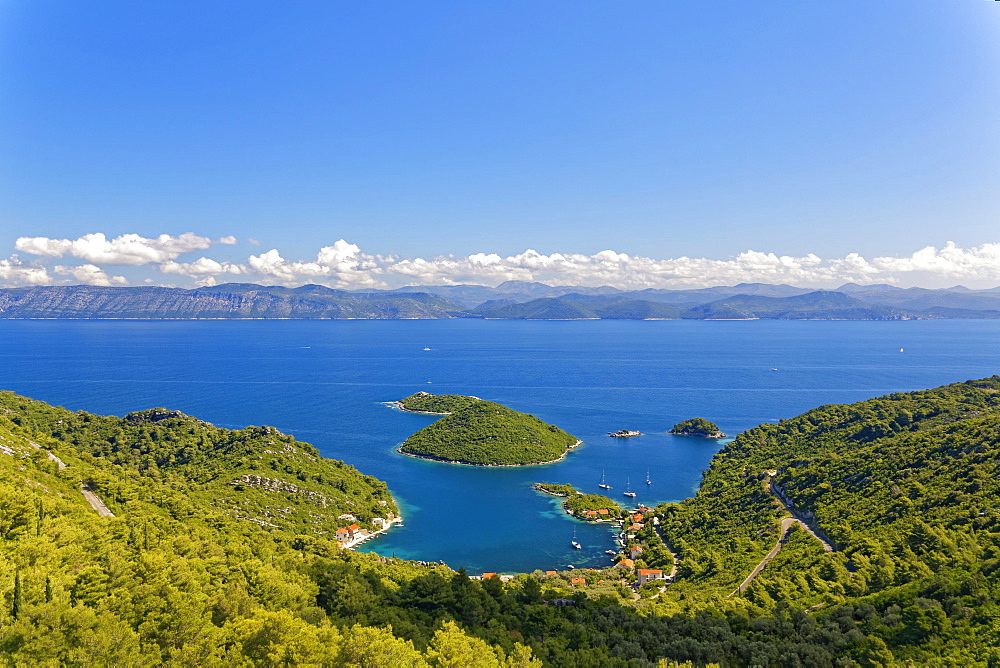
point(258, 473)
point(190, 570)
point(902, 489)
point(484, 433)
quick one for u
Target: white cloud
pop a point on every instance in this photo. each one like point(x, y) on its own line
point(229, 241)
point(345, 265)
point(90, 275)
point(14, 273)
point(128, 249)
point(201, 267)
point(342, 264)
point(252, 241)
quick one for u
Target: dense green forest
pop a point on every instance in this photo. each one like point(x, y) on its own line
point(425, 402)
point(902, 488)
point(483, 433)
point(697, 427)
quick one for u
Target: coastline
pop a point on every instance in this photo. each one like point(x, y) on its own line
point(716, 436)
point(492, 466)
point(398, 405)
point(537, 487)
point(350, 545)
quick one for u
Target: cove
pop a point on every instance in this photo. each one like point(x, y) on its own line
point(326, 382)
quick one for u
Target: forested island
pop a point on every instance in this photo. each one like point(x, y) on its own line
point(864, 534)
point(483, 433)
point(435, 404)
point(589, 507)
point(697, 427)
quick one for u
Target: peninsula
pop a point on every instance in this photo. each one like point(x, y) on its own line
point(482, 433)
point(697, 427)
point(588, 507)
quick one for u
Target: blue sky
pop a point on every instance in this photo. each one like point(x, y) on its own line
point(441, 141)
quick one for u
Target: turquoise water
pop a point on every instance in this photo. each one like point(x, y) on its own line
point(326, 381)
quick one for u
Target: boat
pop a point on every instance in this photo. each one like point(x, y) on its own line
point(570, 566)
point(574, 543)
point(628, 491)
point(648, 481)
point(610, 552)
point(425, 348)
point(603, 485)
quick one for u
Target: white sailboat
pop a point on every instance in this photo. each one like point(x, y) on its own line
point(603, 485)
point(574, 542)
point(628, 489)
point(648, 481)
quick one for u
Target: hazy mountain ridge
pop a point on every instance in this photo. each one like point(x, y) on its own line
point(232, 300)
point(510, 300)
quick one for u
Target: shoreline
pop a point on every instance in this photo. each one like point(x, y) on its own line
point(715, 437)
point(537, 488)
point(490, 466)
point(350, 545)
point(398, 405)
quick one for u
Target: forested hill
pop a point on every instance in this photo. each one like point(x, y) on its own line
point(256, 474)
point(483, 433)
point(903, 489)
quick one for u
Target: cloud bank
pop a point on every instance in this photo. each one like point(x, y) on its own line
point(128, 249)
point(345, 265)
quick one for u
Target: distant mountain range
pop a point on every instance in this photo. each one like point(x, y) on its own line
point(510, 300)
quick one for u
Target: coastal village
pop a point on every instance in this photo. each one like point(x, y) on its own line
point(354, 534)
point(627, 575)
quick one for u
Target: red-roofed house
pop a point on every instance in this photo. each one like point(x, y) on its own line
point(551, 573)
point(626, 563)
point(488, 576)
point(578, 581)
point(648, 575)
point(342, 535)
point(603, 511)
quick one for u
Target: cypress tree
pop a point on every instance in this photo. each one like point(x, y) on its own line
point(17, 603)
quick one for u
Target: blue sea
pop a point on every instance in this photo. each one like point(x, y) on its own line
point(327, 382)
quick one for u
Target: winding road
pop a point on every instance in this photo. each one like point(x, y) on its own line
point(786, 525)
point(94, 500)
